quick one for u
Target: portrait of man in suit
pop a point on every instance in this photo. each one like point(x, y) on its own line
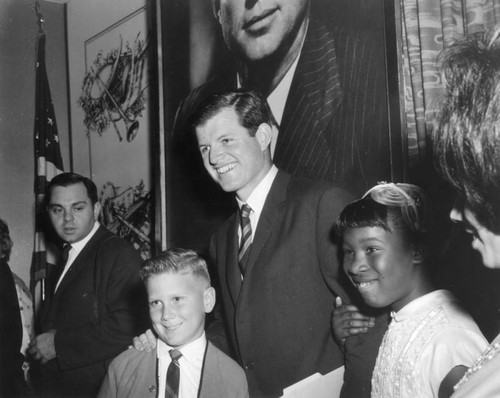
point(326, 87)
point(96, 294)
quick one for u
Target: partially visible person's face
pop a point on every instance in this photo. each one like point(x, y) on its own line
point(258, 28)
point(71, 212)
point(177, 306)
point(381, 266)
point(234, 159)
point(483, 240)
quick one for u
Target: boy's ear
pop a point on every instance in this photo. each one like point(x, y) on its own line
point(209, 299)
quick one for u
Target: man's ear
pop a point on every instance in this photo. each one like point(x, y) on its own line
point(97, 210)
point(264, 135)
point(209, 299)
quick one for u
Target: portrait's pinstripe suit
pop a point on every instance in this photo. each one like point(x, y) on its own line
point(335, 120)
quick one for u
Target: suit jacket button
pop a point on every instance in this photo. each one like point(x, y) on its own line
point(249, 365)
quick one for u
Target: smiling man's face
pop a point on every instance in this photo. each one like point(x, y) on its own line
point(234, 159)
point(257, 29)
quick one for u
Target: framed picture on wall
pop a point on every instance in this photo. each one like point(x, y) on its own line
point(112, 132)
point(339, 118)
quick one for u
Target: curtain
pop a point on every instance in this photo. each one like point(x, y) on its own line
point(428, 26)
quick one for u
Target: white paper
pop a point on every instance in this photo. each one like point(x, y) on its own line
point(317, 386)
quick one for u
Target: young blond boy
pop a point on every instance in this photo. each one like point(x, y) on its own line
point(179, 294)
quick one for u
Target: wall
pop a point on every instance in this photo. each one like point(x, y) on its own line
point(18, 34)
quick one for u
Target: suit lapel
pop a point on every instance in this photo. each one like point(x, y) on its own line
point(275, 198)
point(314, 95)
point(214, 374)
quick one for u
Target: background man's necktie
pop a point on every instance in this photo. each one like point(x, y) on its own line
point(246, 237)
point(65, 255)
point(173, 375)
point(63, 259)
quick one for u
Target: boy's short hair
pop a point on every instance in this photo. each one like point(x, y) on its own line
point(389, 206)
point(175, 260)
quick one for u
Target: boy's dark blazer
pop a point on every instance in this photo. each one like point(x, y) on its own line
point(278, 319)
point(95, 312)
point(134, 374)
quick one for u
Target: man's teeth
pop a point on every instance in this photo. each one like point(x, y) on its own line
point(225, 169)
point(365, 284)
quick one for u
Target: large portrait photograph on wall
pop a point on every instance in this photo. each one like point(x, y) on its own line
point(321, 65)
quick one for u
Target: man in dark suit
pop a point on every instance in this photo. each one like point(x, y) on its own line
point(277, 296)
point(93, 313)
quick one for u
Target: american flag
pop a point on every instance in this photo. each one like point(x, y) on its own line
point(48, 164)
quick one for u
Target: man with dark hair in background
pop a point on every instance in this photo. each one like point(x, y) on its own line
point(97, 294)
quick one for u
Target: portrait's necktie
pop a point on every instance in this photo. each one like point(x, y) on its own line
point(246, 237)
point(173, 375)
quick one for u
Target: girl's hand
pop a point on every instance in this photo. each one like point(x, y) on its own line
point(348, 321)
point(145, 342)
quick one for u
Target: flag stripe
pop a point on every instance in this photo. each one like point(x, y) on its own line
point(47, 169)
point(48, 163)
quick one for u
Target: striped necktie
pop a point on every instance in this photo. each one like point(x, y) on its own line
point(173, 375)
point(246, 237)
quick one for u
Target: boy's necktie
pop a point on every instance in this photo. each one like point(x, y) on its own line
point(246, 237)
point(173, 375)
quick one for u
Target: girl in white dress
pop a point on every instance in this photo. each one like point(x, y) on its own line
point(431, 340)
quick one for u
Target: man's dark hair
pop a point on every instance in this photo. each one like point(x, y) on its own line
point(67, 179)
point(5, 241)
point(250, 106)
